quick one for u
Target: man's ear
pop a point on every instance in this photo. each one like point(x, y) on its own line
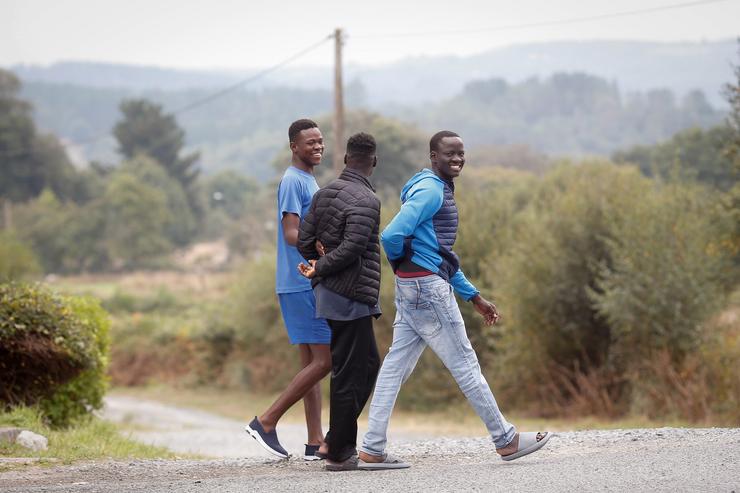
point(433, 155)
point(345, 159)
point(293, 147)
point(375, 161)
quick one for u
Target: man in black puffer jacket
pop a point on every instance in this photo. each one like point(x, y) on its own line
point(339, 238)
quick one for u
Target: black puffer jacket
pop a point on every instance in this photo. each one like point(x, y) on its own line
point(344, 216)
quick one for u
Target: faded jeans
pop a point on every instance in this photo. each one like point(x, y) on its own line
point(427, 315)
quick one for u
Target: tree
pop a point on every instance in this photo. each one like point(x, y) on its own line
point(732, 93)
point(146, 129)
point(231, 192)
point(22, 176)
point(517, 156)
point(693, 154)
point(181, 225)
point(732, 201)
point(29, 162)
point(65, 236)
point(136, 218)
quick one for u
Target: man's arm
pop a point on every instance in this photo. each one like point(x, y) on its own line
point(421, 204)
point(358, 226)
point(468, 292)
point(290, 223)
point(462, 286)
point(289, 206)
point(307, 234)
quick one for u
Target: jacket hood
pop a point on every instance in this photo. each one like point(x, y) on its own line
point(425, 174)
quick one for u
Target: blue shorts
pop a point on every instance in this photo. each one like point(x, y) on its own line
point(299, 315)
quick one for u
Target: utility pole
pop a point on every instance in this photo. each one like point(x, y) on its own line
point(338, 152)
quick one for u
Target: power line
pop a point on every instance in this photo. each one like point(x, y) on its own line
point(199, 102)
point(248, 80)
point(556, 22)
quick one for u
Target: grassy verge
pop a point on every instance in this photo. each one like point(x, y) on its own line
point(87, 440)
point(456, 420)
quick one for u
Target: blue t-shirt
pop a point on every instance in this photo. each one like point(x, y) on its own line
point(293, 196)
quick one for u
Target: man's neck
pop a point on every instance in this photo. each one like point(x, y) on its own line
point(297, 163)
point(363, 171)
point(442, 177)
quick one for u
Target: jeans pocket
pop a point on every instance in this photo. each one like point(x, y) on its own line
point(425, 318)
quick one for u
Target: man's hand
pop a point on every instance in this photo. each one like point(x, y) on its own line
point(320, 248)
point(487, 309)
point(308, 271)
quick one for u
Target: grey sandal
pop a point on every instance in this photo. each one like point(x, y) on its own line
point(529, 442)
point(389, 462)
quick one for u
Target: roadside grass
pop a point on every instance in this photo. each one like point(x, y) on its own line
point(88, 439)
point(184, 285)
point(458, 419)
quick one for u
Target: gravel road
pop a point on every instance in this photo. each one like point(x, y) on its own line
point(188, 431)
point(665, 459)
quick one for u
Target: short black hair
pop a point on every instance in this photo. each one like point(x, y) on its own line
point(299, 125)
point(437, 138)
point(361, 145)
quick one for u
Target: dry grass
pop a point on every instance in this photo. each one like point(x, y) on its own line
point(205, 285)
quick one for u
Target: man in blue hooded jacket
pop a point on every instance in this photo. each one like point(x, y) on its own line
point(418, 243)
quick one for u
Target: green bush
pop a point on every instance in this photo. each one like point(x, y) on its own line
point(53, 352)
point(65, 236)
point(665, 274)
point(608, 273)
point(162, 301)
point(542, 279)
point(17, 261)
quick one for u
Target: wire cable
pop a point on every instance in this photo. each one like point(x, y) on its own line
point(556, 22)
point(253, 78)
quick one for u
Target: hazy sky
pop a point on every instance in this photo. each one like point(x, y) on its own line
point(244, 34)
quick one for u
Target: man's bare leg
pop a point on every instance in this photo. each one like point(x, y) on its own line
point(312, 403)
point(319, 365)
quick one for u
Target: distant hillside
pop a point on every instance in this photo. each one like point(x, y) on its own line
point(567, 113)
point(634, 66)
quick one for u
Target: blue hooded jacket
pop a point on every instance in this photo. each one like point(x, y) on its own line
point(425, 229)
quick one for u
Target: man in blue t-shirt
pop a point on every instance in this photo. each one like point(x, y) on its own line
point(297, 302)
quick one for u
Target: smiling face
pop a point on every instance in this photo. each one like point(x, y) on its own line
point(308, 147)
point(449, 158)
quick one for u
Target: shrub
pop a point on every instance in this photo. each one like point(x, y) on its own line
point(53, 352)
point(665, 275)
point(720, 356)
point(65, 236)
point(605, 291)
point(17, 261)
point(551, 327)
point(253, 314)
point(162, 301)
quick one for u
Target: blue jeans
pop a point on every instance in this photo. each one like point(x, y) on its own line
point(427, 314)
